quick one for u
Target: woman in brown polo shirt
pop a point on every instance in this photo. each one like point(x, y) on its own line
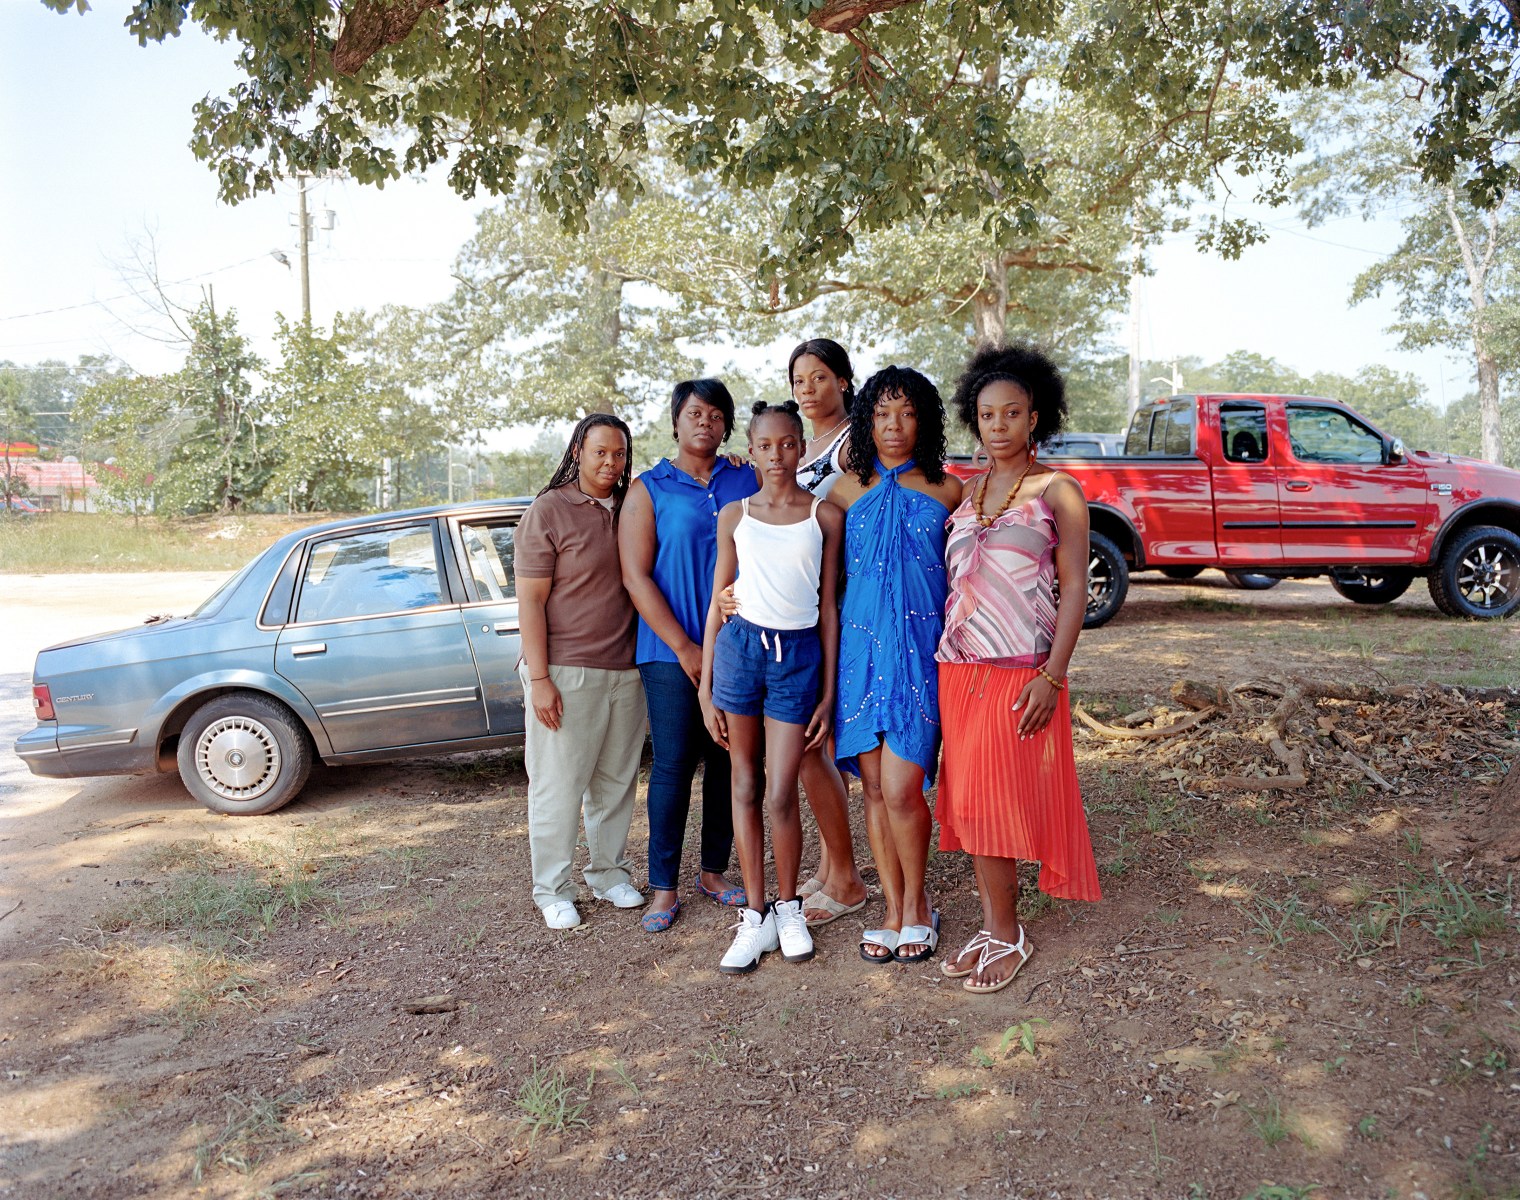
point(585, 710)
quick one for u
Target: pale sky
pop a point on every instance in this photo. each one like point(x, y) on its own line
point(94, 156)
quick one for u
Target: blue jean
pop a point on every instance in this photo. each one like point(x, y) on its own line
point(681, 742)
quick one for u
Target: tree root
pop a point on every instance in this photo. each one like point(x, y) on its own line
point(1114, 733)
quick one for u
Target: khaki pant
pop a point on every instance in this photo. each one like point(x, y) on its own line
point(588, 767)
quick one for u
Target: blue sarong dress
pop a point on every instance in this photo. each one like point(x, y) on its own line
point(890, 624)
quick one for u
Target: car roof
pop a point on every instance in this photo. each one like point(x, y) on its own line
point(364, 520)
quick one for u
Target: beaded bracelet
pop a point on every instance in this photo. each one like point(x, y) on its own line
point(1058, 684)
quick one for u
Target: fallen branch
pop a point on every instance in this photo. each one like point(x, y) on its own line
point(1366, 769)
point(1114, 734)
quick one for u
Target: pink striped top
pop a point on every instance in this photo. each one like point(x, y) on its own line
point(1001, 608)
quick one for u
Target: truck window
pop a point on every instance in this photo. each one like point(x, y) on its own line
point(1243, 431)
point(1178, 435)
point(1139, 439)
point(1328, 435)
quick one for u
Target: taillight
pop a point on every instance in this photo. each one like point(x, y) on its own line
point(42, 701)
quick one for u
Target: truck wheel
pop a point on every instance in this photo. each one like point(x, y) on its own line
point(1371, 585)
point(1182, 572)
point(1479, 574)
point(1107, 580)
point(1251, 581)
point(244, 755)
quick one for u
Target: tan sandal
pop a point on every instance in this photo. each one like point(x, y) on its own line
point(994, 951)
point(948, 968)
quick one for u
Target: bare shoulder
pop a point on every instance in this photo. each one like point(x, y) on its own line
point(830, 516)
point(948, 491)
point(1064, 494)
point(637, 497)
point(845, 491)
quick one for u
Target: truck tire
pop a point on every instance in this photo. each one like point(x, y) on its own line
point(1251, 581)
point(244, 755)
point(1371, 585)
point(1182, 572)
point(1478, 575)
point(1107, 580)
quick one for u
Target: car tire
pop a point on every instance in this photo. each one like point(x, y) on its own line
point(1182, 572)
point(1107, 580)
point(1478, 575)
point(1372, 585)
point(244, 755)
point(1251, 581)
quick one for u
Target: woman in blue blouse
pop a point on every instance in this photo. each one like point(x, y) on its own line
point(668, 543)
point(896, 498)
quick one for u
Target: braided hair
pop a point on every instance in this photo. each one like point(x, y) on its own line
point(569, 466)
point(928, 447)
point(787, 408)
point(1024, 365)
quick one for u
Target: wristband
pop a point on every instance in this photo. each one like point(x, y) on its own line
point(541, 678)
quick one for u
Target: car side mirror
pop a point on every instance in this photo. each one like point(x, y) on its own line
point(1396, 452)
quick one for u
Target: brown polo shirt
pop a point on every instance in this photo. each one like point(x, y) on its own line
point(568, 537)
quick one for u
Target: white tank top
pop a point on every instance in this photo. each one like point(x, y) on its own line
point(779, 567)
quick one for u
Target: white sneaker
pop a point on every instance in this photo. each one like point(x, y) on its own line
point(624, 895)
point(756, 936)
point(561, 915)
point(792, 931)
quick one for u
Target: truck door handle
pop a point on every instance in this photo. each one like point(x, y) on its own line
point(306, 649)
point(505, 627)
point(1298, 485)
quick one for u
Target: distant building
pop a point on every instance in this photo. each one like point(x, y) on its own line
point(58, 486)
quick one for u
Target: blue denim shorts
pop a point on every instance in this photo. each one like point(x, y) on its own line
point(767, 672)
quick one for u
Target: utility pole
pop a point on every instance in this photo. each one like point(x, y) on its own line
point(306, 232)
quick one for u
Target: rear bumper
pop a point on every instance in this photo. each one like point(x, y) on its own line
point(38, 749)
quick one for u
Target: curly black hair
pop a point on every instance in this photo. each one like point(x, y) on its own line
point(569, 468)
point(913, 386)
point(1025, 365)
point(787, 408)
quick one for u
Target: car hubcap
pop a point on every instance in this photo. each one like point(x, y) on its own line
point(237, 758)
point(1488, 576)
point(1100, 584)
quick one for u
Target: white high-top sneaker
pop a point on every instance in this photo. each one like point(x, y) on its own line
point(756, 936)
point(792, 931)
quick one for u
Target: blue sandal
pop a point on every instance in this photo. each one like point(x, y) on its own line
point(733, 897)
point(660, 920)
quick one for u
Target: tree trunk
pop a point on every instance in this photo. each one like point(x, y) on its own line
point(989, 307)
point(1477, 269)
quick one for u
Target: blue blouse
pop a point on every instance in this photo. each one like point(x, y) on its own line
point(686, 551)
point(890, 624)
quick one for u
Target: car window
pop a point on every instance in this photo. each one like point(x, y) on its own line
point(1243, 430)
point(362, 575)
point(488, 555)
point(1327, 435)
point(1139, 440)
point(1178, 436)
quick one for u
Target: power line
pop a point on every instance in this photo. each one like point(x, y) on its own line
point(46, 312)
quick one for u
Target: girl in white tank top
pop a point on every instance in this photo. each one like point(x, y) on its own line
point(768, 675)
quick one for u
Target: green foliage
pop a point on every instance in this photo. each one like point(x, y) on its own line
point(909, 119)
point(549, 1104)
point(1021, 1036)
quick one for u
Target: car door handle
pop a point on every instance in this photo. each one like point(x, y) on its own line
point(1298, 485)
point(505, 627)
point(306, 649)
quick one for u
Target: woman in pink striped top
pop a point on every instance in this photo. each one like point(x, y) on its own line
point(1008, 781)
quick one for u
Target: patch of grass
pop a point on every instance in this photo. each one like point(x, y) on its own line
point(956, 1091)
point(549, 1104)
point(407, 861)
point(205, 982)
point(1034, 903)
point(1281, 1191)
point(1268, 1121)
point(77, 542)
point(1273, 919)
point(1367, 1128)
point(489, 767)
point(253, 1123)
point(1476, 1184)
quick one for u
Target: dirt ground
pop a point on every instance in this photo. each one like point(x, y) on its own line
point(1285, 992)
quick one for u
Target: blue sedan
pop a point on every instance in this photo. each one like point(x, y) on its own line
point(380, 637)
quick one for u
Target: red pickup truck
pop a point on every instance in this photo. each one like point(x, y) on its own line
point(1291, 487)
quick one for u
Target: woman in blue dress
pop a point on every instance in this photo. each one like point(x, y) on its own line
point(896, 498)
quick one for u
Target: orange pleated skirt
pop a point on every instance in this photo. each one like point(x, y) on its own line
point(1004, 798)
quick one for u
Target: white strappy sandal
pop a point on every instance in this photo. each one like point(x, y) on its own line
point(992, 952)
point(976, 945)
